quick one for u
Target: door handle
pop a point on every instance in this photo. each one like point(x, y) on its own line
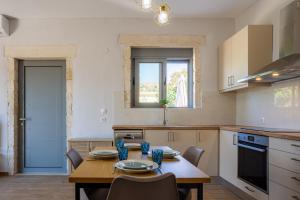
point(22, 119)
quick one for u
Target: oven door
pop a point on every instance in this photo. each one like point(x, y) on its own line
point(253, 165)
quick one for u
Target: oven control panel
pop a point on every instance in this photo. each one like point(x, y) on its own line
point(255, 139)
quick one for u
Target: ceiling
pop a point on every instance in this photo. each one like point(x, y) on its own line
point(120, 8)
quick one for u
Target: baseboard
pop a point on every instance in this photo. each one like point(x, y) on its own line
point(4, 174)
point(241, 194)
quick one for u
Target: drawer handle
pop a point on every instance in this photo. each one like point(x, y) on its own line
point(295, 145)
point(295, 197)
point(249, 189)
point(295, 178)
point(295, 159)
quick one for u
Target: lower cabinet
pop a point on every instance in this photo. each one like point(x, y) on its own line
point(284, 169)
point(182, 139)
point(228, 156)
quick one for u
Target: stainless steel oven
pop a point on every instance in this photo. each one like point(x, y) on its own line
point(253, 160)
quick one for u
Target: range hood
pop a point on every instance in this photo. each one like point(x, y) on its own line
point(288, 65)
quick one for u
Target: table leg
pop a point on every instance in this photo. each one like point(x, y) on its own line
point(200, 192)
point(77, 192)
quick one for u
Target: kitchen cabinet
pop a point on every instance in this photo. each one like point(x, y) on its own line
point(228, 156)
point(209, 141)
point(243, 54)
point(182, 139)
point(284, 169)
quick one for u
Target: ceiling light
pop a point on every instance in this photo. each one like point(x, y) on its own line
point(146, 4)
point(275, 74)
point(163, 15)
point(258, 78)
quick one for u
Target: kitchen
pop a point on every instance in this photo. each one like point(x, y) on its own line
point(231, 112)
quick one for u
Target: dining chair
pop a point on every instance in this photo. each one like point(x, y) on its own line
point(132, 188)
point(92, 194)
point(193, 155)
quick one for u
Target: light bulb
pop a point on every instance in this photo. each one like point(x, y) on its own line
point(258, 78)
point(275, 74)
point(163, 16)
point(146, 4)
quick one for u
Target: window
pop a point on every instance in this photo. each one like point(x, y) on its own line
point(166, 75)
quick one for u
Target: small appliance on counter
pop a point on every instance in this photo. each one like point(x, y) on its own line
point(129, 136)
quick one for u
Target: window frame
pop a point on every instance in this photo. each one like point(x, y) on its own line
point(162, 81)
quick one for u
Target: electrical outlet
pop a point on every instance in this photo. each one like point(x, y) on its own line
point(262, 120)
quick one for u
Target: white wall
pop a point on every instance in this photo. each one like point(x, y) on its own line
point(98, 74)
point(257, 103)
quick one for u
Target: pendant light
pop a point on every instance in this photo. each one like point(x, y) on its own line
point(146, 4)
point(162, 17)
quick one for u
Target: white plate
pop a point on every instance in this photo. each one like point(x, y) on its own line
point(132, 145)
point(151, 166)
point(167, 153)
point(103, 153)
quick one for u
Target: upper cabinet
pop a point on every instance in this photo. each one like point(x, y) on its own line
point(243, 54)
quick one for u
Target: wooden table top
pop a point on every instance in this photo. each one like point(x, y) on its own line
point(101, 171)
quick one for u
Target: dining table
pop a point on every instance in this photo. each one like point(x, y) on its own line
point(100, 173)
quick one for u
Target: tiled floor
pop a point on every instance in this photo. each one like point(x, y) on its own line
point(27, 187)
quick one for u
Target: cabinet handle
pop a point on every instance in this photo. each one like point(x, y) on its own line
point(173, 136)
point(295, 178)
point(295, 145)
point(199, 137)
point(168, 136)
point(295, 197)
point(249, 189)
point(234, 139)
point(232, 80)
point(295, 159)
point(228, 80)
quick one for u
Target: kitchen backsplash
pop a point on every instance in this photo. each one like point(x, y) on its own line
point(276, 106)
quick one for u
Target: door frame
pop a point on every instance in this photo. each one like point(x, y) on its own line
point(13, 55)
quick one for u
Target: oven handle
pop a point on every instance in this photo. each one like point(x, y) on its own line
point(252, 148)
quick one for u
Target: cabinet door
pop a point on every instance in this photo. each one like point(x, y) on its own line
point(157, 137)
point(225, 64)
point(228, 156)
point(208, 140)
point(182, 139)
point(240, 56)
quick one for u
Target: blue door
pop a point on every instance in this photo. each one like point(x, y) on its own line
point(44, 120)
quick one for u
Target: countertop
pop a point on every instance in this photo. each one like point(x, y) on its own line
point(167, 127)
point(270, 132)
point(90, 139)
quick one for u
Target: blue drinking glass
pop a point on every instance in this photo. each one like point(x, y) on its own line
point(123, 153)
point(157, 156)
point(145, 146)
point(120, 143)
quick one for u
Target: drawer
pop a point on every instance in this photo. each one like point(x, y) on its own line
point(284, 177)
point(278, 192)
point(285, 160)
point(290, 146)
point(252, 191)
